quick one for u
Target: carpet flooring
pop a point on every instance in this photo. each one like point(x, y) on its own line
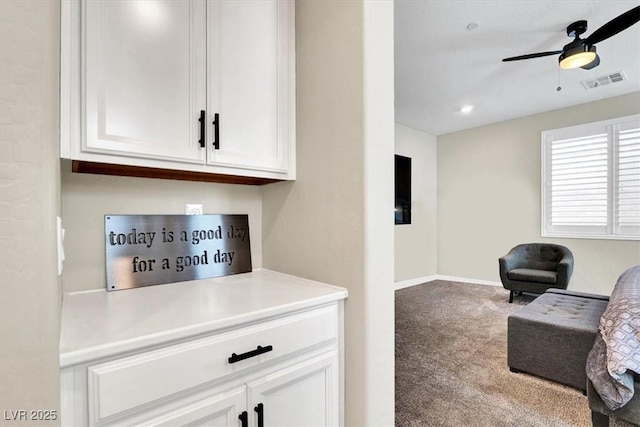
point(451, 364)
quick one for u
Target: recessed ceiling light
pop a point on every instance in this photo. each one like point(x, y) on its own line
point(472, 26)
point(466, 109)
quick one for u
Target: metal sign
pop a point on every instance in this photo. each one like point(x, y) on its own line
point(143, 250)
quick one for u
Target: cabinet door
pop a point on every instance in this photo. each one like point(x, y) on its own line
point(145, 78)
point(251, 78)
point(303, 395)
point(221, 410)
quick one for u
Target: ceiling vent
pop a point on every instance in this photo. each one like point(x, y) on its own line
point(608, 79)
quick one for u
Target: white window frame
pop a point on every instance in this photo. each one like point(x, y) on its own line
point(612, 231)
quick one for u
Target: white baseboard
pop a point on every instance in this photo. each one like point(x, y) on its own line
point(420, 280)
point(417, 281)
point(467, 280)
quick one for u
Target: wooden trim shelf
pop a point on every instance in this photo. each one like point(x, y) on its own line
point(147, 172)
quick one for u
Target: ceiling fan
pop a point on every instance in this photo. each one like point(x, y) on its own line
point(582, 52)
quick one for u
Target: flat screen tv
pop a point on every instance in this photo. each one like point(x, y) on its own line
point(403, 190)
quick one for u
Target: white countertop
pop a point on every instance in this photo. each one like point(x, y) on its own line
point(98, 323)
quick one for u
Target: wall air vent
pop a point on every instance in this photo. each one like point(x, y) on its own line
point(607, 79)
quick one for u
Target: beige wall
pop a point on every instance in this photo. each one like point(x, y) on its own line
point(86, 199)
point(489, 198)
point(29, 203)
point(335, 223)
point(415, 243)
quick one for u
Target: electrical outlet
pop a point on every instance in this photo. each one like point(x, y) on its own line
point(192, 209)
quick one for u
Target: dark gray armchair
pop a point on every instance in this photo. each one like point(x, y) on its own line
point(536, 267)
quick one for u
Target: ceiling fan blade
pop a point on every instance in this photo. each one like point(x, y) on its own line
point(532, 55)
point(614, 26)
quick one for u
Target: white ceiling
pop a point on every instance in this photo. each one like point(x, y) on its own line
point(440, 65)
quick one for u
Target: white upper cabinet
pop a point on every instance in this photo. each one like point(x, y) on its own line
point(192, 85)
point(145, 80)
point(249, 83)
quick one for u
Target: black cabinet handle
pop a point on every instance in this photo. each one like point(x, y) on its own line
point(260, 410)
point(216, 131)
point(203, 126)
point(244, 419)
point(259, 350)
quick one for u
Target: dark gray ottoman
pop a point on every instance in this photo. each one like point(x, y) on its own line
point(552, 336)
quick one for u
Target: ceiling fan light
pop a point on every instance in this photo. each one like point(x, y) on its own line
point(577, 57)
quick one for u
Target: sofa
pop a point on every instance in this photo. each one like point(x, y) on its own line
point(589, 342)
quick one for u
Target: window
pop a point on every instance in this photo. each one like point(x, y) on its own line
point(591, 180)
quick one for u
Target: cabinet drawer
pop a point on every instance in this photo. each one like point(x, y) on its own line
point(126, 383)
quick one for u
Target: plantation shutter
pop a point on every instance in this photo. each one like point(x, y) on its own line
point(578, 199)
point(628, 203)
point(591, 180)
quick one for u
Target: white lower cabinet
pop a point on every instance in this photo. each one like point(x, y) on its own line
point(220, 410)
point(275, 373)
point(302, 395)
point(298, 396)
